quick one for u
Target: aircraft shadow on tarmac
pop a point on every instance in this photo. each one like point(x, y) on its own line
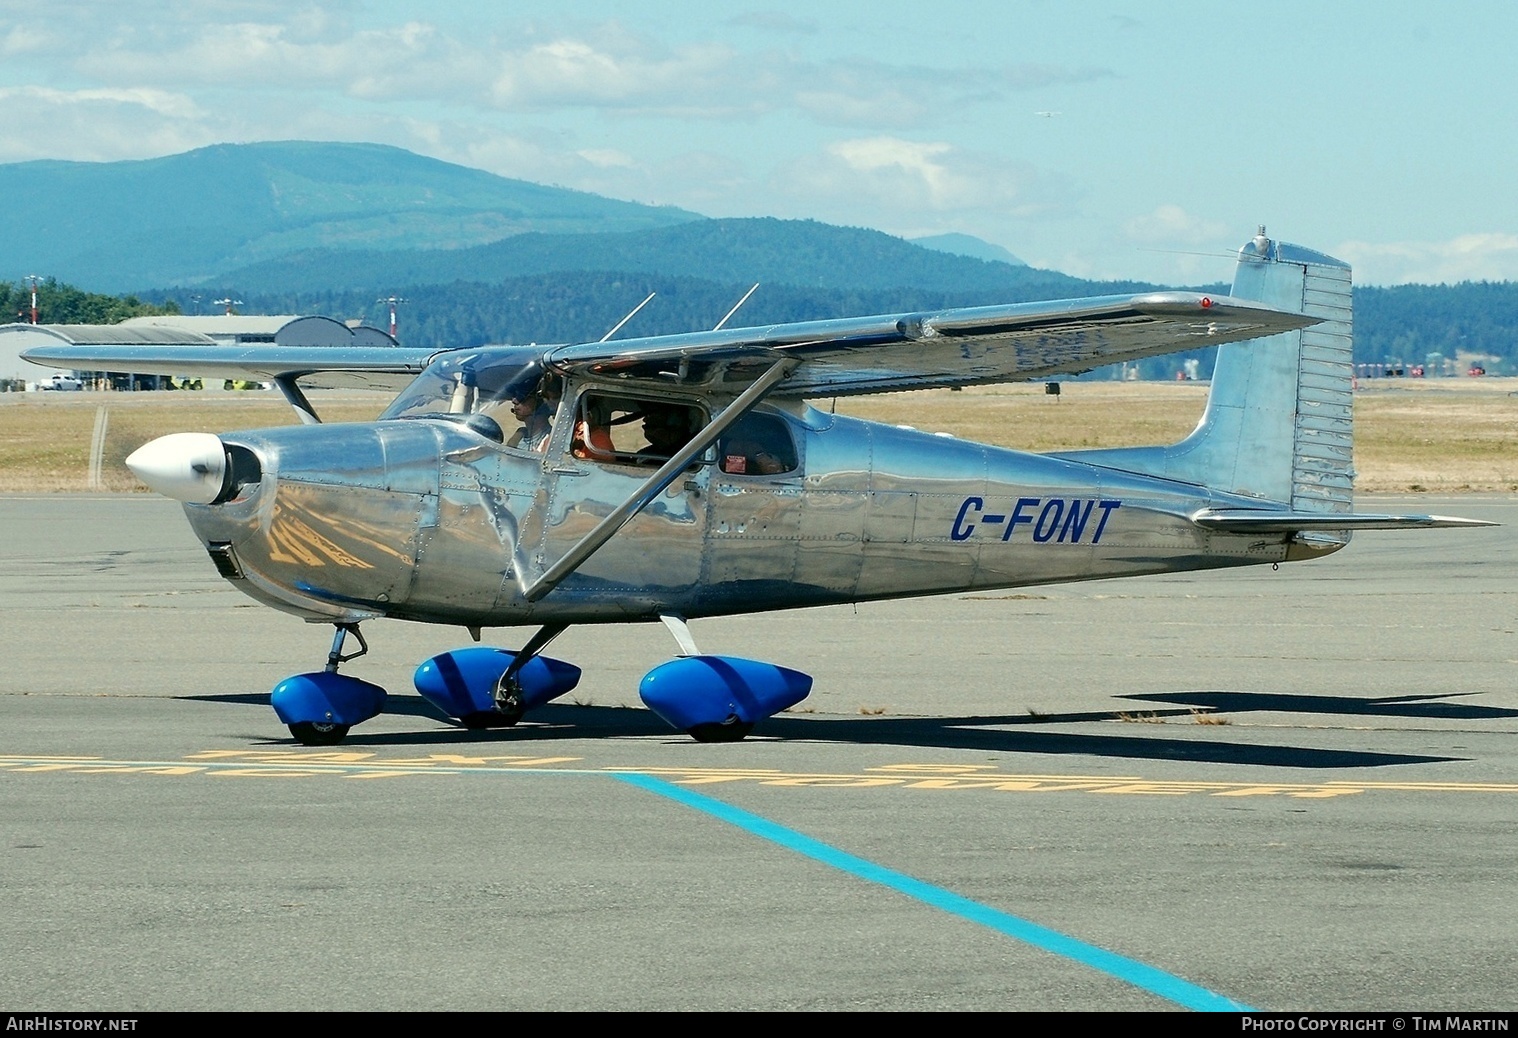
point(1425, 707)
point(988, 733)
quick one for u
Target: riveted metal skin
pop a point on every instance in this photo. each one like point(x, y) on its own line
point(429, 520)
point(428, 515)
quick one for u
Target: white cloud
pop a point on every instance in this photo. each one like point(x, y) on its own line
point(614, 70)
point(864, 94)
point(21, 39)
point(1170, 225)
point(607, 158)
point(407, 61)
point(904, 183)
point(97, 125)
point(44, 97)
point(907, 166)
point(263, 49)
point(618, 73)
point(1487, 256)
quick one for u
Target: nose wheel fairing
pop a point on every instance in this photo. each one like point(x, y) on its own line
point(320, 707)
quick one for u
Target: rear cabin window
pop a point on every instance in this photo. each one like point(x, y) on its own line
point(757, 445)
point(632, 431)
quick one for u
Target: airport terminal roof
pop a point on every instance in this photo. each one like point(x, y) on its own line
point(218, 325)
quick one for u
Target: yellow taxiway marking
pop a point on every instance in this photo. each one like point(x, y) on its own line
point(359, 764)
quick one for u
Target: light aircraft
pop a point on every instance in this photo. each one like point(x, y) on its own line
point(688, 476)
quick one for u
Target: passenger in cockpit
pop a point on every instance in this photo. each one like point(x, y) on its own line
point(536, 419)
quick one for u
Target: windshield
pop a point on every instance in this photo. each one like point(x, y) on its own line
point(470, 382)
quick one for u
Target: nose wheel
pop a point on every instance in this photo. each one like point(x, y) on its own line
point(318, 733)
point(731, 730)
point(319, 708)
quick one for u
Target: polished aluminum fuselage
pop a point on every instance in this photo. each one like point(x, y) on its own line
point(428, 520)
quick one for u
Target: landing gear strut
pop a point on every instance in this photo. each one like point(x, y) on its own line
point(717, 698)
point(493, 688)
point(509, 702)
point(336, 656)
point(321, 707)
point(327, 733)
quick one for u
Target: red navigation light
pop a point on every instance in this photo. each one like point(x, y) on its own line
point(1206, 302)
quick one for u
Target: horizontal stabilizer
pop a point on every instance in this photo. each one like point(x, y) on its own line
point(1247, 521)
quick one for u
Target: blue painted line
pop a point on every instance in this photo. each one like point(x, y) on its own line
point(1148, 978)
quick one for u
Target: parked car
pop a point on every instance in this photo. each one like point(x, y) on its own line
point(61, 382)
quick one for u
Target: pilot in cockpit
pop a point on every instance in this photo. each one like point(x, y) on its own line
point(537, 422)
point(667, 428)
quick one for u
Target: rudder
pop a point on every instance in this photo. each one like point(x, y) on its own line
point(1278, 425)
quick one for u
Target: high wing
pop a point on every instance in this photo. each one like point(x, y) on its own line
point(961, 347)
point(361, 358)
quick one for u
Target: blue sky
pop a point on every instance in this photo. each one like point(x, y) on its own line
point(1103, 139)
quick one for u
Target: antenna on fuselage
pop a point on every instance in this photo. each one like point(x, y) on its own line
point(618, 326)
point(736, 305)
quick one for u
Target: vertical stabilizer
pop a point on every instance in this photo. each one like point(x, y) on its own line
point(1278, 421)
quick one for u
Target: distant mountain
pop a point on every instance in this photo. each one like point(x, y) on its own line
point(316, 217)
point(120, 226)
point(967, 245)
point(799, 253)
point(304, 227)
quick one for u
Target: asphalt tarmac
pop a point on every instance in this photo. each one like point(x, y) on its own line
point(1286, 790)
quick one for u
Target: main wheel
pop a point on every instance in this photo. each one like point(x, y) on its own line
point(318, 733)
point(731, 730)
point(481, 719)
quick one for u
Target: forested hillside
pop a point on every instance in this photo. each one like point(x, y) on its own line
point(183, 219)
point(798, 253)
point(65, 304)
point(1465, 323)
point(320, 228)
point(578, 306)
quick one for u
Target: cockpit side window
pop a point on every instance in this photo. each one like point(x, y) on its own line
point(493, 391)
point(623, 430)
point(468, 382)
point(757, 445)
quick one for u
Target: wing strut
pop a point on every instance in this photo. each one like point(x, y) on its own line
point(630, 315)
point(536, 644)
point(296, 398)
point(678, 628)
point(728, 316)
point(655, 484)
